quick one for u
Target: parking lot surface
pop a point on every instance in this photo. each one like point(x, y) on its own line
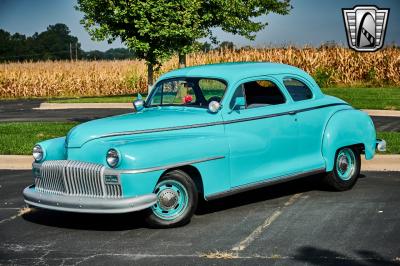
point(288, 224)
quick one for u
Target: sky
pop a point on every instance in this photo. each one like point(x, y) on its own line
point(311, 22)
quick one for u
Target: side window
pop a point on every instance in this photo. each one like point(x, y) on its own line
point(262, 93)
point(297, 89)
point(212, 89)
point(238, 93)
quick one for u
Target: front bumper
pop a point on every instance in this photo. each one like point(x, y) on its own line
point(68, 203)
point(380, 145)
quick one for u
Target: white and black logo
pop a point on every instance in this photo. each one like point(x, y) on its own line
point(365, 27)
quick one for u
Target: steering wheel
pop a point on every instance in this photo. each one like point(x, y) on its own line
point(214, 98)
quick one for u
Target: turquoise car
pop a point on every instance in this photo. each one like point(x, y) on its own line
point(205, 131)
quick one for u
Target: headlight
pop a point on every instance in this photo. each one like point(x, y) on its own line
point(112, 158)
point(37, 153)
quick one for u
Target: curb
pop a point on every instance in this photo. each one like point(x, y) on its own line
point(382, 112)
point(58, 106)
point(16, 162)
point(381, 162)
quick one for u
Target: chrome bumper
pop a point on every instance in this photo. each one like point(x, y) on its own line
point(61, 202)
point(380, 145)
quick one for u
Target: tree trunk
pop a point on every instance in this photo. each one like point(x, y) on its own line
point(150, 74)
point(182, 60)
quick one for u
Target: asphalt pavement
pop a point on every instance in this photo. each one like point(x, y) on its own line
point(296, 223)
point(23, 110)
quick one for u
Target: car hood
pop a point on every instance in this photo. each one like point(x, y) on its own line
point(134, 123)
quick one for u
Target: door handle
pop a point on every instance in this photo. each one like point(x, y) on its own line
point(292, 112)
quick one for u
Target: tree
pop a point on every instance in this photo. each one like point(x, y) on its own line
point(155, 29)
point(53, 44)
point(152, 29)
point(226, 46)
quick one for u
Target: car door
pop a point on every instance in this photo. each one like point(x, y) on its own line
point(311, 120)
point(262, 135)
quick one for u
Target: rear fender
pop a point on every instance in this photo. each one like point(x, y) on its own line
point(346, 128)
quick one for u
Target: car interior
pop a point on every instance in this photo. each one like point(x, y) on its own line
point(262, 93)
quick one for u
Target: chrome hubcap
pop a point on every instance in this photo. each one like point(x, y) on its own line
point(343, 163)
point(168, 199)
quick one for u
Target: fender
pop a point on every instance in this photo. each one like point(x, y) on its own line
point(54, 149)
point(345, 128)
point(198, 147)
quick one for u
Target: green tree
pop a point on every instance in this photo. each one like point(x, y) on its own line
point(152, 29)
point(156, 29)
point(226, 46)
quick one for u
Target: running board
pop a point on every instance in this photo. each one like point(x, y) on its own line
point(265, 183)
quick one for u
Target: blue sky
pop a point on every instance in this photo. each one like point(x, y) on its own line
point(311, 22)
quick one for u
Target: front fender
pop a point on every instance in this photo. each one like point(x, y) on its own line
point(173, 148)
point(345, 128)
point(54, 149)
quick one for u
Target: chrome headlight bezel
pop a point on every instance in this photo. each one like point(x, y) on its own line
point(38, 153)
point(113, 158)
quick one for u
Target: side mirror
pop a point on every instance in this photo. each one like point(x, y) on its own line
point(239, 103)
point(138, 104)
point(214, 106)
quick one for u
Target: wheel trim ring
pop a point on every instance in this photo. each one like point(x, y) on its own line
point(348, 156)
point(180, 206)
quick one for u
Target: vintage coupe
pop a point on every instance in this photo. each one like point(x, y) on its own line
point(208, 131)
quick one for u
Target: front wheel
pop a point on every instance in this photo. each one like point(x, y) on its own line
point(177, 199)
point(345, 170)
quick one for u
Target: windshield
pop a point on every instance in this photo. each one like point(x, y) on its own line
point(196, 92)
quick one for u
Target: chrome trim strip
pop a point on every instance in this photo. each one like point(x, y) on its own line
point(157, 168)
point(87, 204)
point(154, 130)
point(268, 182)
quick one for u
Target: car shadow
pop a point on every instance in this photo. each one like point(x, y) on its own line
point(301, 185)
point(135, 220)
point(86, 221)
point(318, 256)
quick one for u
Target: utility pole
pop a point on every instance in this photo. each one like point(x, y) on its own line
point(70, 51)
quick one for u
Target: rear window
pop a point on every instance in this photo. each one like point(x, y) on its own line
point(297, 89)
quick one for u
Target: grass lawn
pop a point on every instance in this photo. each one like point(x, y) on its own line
point(19, 137)
point(368, 98)
point(392, 141)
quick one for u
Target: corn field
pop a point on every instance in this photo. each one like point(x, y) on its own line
point(329, 66)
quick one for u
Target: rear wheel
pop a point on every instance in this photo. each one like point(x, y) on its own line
point(177, 200)
point(345, 170)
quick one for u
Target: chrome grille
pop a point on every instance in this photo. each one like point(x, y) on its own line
point(76, 179)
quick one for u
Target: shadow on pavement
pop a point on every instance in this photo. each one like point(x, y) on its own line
point(263, 194)
point(319, 256)
point(83, 221)
point(117, 222)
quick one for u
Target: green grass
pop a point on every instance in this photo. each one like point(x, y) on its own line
point(19, 137)
point(387, 98)
point(392, 141)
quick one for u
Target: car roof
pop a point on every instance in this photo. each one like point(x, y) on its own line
point(233, 72)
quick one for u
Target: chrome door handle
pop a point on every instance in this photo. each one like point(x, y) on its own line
point(292, 112)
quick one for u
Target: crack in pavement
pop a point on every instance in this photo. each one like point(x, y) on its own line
point(242, 245)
